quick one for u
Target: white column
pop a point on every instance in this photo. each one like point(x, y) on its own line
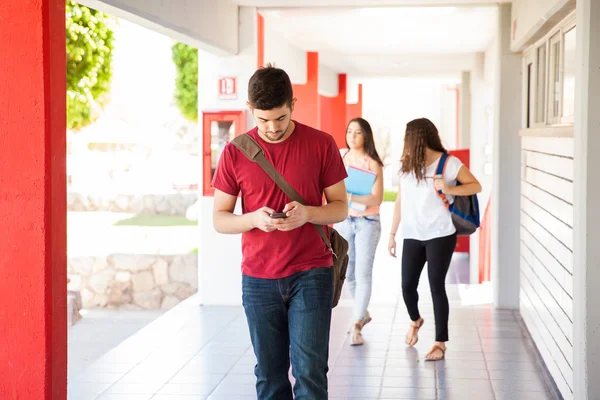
point(464, 120)
point(506, 175)
point(586, 229)
point(220, 256)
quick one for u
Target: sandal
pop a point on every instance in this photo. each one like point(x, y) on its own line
point(433, 349)
point(361, 323)
point(366, 320)
point(356, 338)
point(415, 326)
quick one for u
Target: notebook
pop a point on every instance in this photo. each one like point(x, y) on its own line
point(359, 181)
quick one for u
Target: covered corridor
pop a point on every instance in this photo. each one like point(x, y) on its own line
point(528, 114)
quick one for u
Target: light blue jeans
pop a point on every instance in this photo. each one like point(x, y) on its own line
point(362, 234)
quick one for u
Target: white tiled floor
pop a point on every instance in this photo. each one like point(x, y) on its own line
point(204, 353)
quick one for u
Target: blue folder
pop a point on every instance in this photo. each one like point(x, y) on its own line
point(359, 181)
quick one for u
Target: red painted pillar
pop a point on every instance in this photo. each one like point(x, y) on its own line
point(33, 323)
point(260, 40)
point(333, 113)
point(306, 110)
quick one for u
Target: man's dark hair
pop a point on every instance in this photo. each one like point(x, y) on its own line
point(270, 87)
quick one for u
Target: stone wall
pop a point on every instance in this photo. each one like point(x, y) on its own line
point(133, 281)
point(175, 203)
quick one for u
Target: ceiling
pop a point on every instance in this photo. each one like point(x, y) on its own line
point(388, 40)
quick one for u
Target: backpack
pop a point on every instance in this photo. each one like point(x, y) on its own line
point(464, 210)
point(335, 242)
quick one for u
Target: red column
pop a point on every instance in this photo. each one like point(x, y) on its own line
point(355, 110)
point(485, 246)
point(307, 105)
point(33, 324)
point(260, 40)
point(333, 113)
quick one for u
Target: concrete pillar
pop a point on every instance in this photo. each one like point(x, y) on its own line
point(586, 226)
point(506, 175)
point(464, 107)
point(33, 250)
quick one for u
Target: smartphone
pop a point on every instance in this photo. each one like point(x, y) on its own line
point(278, 215)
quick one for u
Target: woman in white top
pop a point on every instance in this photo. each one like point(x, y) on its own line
point(427, 229)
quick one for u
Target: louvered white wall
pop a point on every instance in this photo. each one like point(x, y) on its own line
point(547, 252)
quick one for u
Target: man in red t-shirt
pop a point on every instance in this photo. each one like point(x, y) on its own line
point(287, 285)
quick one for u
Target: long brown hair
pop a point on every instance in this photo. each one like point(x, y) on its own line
point(369, 143)
point(421, 134)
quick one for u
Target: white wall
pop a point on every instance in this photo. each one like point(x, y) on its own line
point(285, 55)
point(531, 19)
point(241, 66)
point(547, 252)
point(206, 24)
point(352, 83)
point(328, 81)
point(219, 256)
point(586, 234)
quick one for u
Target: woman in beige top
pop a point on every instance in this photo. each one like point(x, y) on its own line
point(362, 228)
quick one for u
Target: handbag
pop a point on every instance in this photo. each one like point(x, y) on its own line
point(335, 242)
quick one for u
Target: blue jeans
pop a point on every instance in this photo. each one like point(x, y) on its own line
point(362, 234)
point(290, 316)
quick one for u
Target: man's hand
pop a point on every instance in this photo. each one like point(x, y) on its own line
point(297, 215)
point(261, 219)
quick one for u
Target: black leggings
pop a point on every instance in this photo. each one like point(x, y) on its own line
point(438, 254)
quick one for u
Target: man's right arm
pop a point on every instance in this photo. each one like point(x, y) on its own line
point(225, 221)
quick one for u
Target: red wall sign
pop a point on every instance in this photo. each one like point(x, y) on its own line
point(227, 88)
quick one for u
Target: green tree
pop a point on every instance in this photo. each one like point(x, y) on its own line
point(186, 83)
point(89, 56)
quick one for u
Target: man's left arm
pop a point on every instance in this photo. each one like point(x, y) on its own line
point(336, 209)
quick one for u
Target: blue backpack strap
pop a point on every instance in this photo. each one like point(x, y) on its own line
point(439, 174)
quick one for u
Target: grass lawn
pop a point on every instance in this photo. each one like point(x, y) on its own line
point(156, 220)
point(389, 195)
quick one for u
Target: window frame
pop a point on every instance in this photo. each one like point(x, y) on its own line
point(236, 116)
point(531, 54)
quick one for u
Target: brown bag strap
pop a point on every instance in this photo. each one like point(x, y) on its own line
point(247, 145)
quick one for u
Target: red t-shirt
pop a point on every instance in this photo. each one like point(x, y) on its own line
point(310, 161)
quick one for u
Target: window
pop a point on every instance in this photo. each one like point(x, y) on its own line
point(529, 94)
point(568, 87)
point(540, 96)
point(554, 92)
point(529, 86)
point(549, 78)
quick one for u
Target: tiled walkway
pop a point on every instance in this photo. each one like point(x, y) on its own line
point(202, 353)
